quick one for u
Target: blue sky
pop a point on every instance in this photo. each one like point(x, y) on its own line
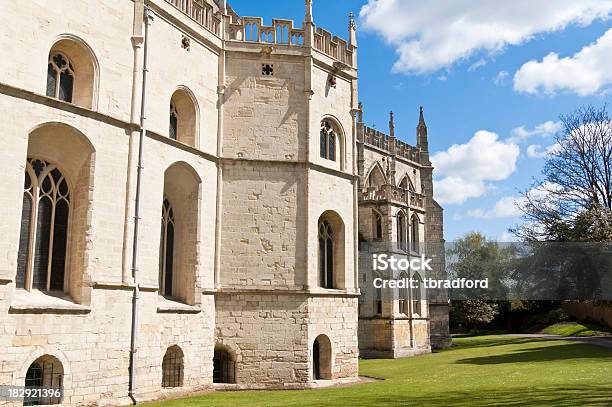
point(481, 70)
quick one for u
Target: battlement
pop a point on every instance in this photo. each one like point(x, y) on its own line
point(380, 140)
point(201, 12)
point(392, 193)
point(333, 46)
point(280, 32)
point(252, 29)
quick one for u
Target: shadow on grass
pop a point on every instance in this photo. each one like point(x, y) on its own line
point(542, 354)
point(491, 341)
point(549, 396)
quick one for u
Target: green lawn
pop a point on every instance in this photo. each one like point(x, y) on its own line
point(576, 329)
point(479, 371)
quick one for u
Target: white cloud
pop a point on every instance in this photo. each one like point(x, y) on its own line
point(506, 207)
point(544, 129)
point(429, 35)
point(537, 151)
point(500, 78)
point(465, 170)
point(585, 73)
point(478, 64)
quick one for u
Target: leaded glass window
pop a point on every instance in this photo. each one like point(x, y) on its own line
point(327, 140)
point(166, 250)
point(401, 231)
point(326, 255)
point(60, 77)
point(45, 218)
point(173, 122)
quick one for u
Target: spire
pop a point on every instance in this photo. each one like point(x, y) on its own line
point(391, 125)
point(352, 33)
point(421, 131)
point(308, 17)
point(421, 118)
point(352, 24)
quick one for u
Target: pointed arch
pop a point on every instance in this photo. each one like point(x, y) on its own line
point(332, 140)
point(414, 232)
point(377, 225)
point(417, 295)
point(406, 183)
point(401, 228)
point(404, 296)
point(179, 220)
point(173, 367)
point(73, 71)
point(376, 176)
point(183, 117)
point(56, 203)
point(331, 246)
point(378, 300)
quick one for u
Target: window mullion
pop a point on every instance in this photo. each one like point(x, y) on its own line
point(32, 246)
point(52, 234)
point(58, 73)
point(164, 255)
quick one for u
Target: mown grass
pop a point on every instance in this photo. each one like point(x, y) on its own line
point(478, 371)
point(576, 329)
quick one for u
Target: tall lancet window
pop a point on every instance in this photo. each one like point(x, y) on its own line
point(45, 217)
point(166, 250)
point(414, 234)
point(378, 226)
point(327, 140)
point(173, 132)
point(401, 231)
point(326, 255)
point(60, 77)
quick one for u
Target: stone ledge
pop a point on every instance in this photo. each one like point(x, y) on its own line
point(309, 293)
point(166, 306)
point(37, 302)
point(101, 285)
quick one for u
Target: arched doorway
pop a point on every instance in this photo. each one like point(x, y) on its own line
point(321, 358)
point(224, 366)
point(46, 372)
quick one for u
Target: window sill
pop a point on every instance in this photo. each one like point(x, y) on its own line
point(167, 306)
point(38, 302)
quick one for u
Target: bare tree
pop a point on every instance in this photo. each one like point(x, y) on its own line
point(577, 178)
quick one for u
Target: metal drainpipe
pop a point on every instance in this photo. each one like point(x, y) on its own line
point(148, 17)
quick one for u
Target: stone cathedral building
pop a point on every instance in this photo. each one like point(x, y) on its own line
point(185, 194)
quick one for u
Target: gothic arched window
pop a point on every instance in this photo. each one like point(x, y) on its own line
point(327, 141)
point(378, 308)
point(60, 77)
point(403, 297)
point(43, 239)
point(166, 250)
point(378, 226)
point(173, 122)
point(417, 295)
point(401, 231)
point(326, 255)
point(406, 183)
point(414, 233)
